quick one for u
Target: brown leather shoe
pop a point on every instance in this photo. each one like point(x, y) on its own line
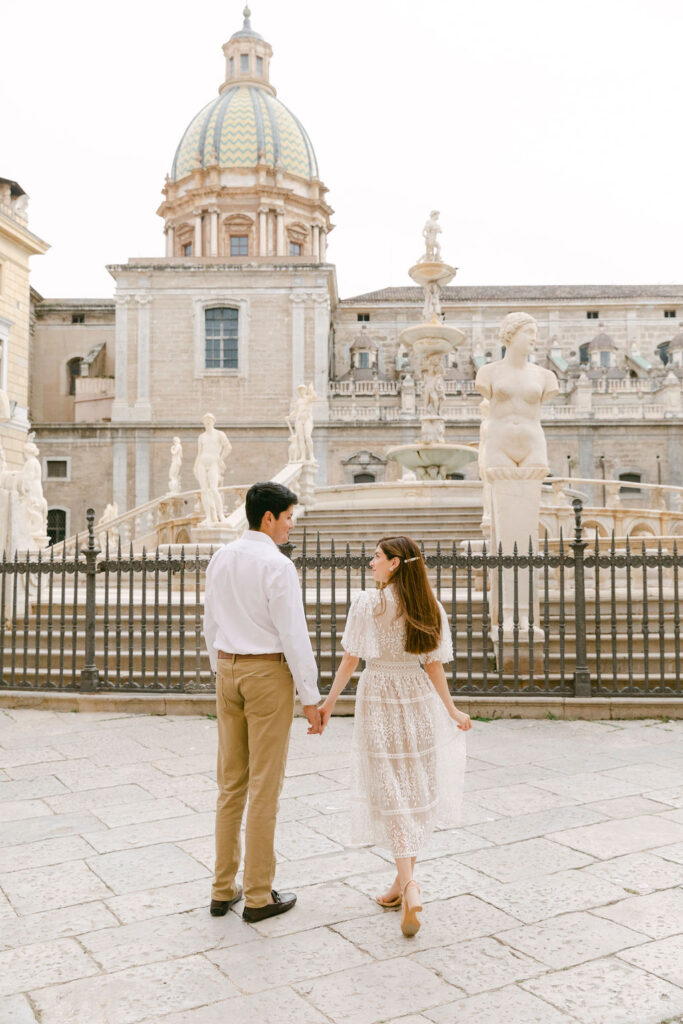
point(220, 907)
point(282, 902)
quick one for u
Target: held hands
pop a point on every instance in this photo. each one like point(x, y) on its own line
point(462, 718)
point(312, 713)
point(326, 709)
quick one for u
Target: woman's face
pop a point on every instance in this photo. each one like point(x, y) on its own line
point(383, 567)
point(524, 339)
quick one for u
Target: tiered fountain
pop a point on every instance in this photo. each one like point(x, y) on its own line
point(431, 457)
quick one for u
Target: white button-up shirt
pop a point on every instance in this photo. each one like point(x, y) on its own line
point(252, 605)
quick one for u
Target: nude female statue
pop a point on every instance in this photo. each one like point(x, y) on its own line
point(300, 420)
point(176, 462)
point(515, 389)
point(213, 449)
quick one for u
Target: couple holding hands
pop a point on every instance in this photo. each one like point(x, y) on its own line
point(408, 750)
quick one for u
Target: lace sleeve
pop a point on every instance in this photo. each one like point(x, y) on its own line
point(360, 636)
point(444, 652)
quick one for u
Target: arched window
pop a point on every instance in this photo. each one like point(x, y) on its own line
point(455, 476)
point(663, 352)
point(584, 356)
point(221, 327)
point(73, 370)
point(363, 478)
point(633, 478)
point(56, 525)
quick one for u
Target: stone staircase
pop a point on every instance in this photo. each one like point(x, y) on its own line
point(357, 526)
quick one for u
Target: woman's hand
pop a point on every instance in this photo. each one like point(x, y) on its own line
point(462, 718)
point(326, 709)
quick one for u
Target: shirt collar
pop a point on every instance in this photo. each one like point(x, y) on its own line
point(260, 538)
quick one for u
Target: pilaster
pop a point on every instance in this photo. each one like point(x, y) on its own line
point(120, 408)
point(120, 474)
point(298, 312)
point(321, 325)
point(143, 409)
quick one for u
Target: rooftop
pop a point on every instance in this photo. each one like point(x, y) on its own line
point(520, 293)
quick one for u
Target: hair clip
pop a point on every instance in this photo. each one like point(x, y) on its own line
point(415, 558)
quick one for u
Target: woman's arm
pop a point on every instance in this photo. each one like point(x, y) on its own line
point(347, 666)
point(434, 670)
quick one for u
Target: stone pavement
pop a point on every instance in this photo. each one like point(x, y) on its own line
point(558, 900)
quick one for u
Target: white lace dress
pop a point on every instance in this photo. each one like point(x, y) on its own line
point(408, 755)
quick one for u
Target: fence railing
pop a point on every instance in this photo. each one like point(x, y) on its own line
point(590, 617)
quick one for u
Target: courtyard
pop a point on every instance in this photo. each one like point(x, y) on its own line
point(558, 900)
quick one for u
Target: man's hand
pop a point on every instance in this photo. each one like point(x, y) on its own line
point(326, 709)
point(314, 722)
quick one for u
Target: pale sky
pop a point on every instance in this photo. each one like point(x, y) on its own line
point(548, 133)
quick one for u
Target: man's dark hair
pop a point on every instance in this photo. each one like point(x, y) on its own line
point(267, 497)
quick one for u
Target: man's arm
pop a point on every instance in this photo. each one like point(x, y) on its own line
point(287, 613)
point(210, 625)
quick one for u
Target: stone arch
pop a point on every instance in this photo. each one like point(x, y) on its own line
point(641, 529)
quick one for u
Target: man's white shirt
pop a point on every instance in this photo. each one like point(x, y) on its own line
point(252, 605)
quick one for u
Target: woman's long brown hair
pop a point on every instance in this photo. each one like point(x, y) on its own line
point(414, 595)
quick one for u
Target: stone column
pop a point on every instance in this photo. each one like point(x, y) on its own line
point(263, 232)
point(120, 475)
point(143, 409)
point(280, 233)
point(120, 406)
point(197, 247)
point(297, 300)
point(214, 232)
point(141, 470)
point(316, 243)
point(170, 241)
point(270, 250)
point(321, 355)
point(323, 246)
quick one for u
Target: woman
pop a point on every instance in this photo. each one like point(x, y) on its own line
point(407, 757)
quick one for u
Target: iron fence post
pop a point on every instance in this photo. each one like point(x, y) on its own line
point(90, 677)
point(582, 679)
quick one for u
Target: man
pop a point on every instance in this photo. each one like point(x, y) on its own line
point(257, 638)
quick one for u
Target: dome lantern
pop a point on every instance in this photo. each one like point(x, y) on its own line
point(247, 58)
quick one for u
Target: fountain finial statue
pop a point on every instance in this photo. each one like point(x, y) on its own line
point(432, 245)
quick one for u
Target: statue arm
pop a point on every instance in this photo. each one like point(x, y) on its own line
point(551, 386)
point(482, 382)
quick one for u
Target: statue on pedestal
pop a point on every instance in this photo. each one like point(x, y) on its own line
point(300, 423)
point(176, 463)
point(514, 460)
point(32, 495)
point(213, 449)
point(104, 534)
point(429, 232)
point(433, 390)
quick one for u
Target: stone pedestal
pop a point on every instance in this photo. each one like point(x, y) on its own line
point(306, 484)
point(515, 495)
point(221, 533)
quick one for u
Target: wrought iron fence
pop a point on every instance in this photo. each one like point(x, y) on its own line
point(603, 618)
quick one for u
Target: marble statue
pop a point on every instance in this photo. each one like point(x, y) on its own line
point(300, 422)
point(102, 531)
point(176, 463)
point(213, 449)
point(432, 245)
point(514, 458)
point(32, 495)
point(432, 384)
point(432, 306)
point(516, 389)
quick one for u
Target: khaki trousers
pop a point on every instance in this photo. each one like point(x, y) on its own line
point(255, 707)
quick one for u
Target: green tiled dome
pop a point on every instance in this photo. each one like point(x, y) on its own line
point(241, 123)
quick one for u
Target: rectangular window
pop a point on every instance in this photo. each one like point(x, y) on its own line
point(78, 318)
point(221, 338)
point(363, 360)
point(364, 318)
point(605, 359)
point(56, 525)
point(259, 65)
point(239, 245)
point(244, 63)
point(56, 469)
point(670, 314)
point(187, 249)
point(592, 314)
point(295, 248)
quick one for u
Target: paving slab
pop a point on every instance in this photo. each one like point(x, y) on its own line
point(480, 964)
point(609, 991)
point(571, 939)
point(41, 964)
point(658, 915)
point(16, 1010)
point(48, 888)
point(132, 870)
point(639, 873)
point(283, 1005)
point(663, 958)
point(613, 838)
point(532, 857)
point(509, 1005)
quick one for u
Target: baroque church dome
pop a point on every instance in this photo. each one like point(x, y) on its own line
point(244, 126)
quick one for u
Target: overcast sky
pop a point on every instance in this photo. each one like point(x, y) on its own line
point(548, 133)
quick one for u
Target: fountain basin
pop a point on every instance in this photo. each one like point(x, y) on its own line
point(432, 272)
point(431, 338)
point(433, 461)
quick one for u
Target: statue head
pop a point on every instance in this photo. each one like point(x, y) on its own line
point(518, 329)
point(434, 214)
point(176, 440)
point(302, 389)
point(30, 449)
point(208, 419)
